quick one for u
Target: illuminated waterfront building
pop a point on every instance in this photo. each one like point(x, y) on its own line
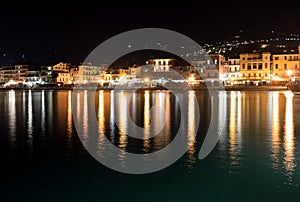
point(161, 65)
point(89, 73)
point(286, 65)
point(13, 73)
point(74, 75)
point(46, 75)
point(115, 74)
point(61, 72)
point(234, 69)
point(32, 78)
point(255, 67)
point(216, 68)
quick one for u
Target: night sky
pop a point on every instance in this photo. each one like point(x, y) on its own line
point(49, 31)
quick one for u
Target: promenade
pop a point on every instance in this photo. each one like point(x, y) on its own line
point(202, 88)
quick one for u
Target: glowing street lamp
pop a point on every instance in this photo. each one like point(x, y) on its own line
point(191, 79)
point(289, 72)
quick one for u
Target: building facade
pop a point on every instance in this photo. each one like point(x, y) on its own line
point(13, 73)
point(88, 73)
point(61, 67)
point(32, 78)
point(286, 65)
point(215, 67)
point(46, 75)
point(74, 75)
point(61, 73)
point(255, 66)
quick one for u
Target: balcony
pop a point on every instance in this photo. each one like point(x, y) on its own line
point(255, 59)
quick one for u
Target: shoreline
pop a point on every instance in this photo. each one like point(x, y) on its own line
point(226, 88)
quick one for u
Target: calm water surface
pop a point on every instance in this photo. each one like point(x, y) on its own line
point(43, 159)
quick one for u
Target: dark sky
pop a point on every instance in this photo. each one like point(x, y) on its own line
point(50, 31)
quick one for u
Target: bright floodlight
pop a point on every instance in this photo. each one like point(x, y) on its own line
point(289, 72)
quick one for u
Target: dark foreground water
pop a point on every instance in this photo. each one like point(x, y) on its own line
point(42, 158)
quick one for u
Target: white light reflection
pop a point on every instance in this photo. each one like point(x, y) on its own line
point(101, 123)
point(78, 106)
point(222, 111)
point(133, 107)
point(12, 115)
point(43, 113)
point(233, 144)
point(24, 103)
point(159, 119)
point(50, 112)
point(112, 116)
point(30, 120)
point(122, 120)
point(239, 118)
point(30, 116)
point(289, 139)
point(101, 115)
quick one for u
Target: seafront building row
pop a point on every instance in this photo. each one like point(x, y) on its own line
point(255, 68)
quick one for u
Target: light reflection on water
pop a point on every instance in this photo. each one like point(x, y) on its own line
point(69, 122)
point(289, 139)
point(12, 115)
point(29, 121)
point(43, 113)
point(264, 120)
point(191, 130)
point(276, 142)
point(236, 102)
point(147, 121)
point(283, 138)
point(235, 140)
